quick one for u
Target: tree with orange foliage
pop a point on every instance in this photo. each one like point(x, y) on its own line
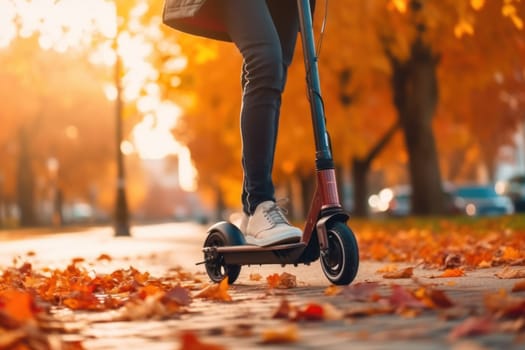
point(384, 65)
point(422, 46)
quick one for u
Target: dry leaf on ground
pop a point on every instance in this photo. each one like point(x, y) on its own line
point(508, 273)
point(280, 335)
point(450, 273)
point(190, 341)
point(402, 273)
point(283, 281)
point(216, 291)
point(519, 286)
point(472, 326)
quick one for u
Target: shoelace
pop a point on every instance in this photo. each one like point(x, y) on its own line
point(275, 215)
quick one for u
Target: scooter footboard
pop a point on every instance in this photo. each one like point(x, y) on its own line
point(254, 255)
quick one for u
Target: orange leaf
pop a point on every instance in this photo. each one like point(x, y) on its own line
point(255, 277)
point(17, 304)
point(284, 281)
point(104, 257)
point(519, 286)
point(311, 312)
point(508, 273)
point(216, 291)
point(387, 268)
point(403, 273)
point(452, 273)
point(332, 290)
point(281, 335)
point(77, 260)
point(190, 341)
point(283, 310)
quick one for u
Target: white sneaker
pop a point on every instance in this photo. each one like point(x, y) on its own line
point(268, 226)
point(244, 222)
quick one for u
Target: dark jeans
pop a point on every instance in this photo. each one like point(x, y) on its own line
point(265, 32)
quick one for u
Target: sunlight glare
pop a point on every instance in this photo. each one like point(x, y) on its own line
point(187, 172)
point(152, 137)
point(7, 25)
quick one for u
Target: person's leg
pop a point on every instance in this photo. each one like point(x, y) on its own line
point(265, 35)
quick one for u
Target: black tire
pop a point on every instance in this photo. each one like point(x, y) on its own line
point(217, 269)
point(341, 262)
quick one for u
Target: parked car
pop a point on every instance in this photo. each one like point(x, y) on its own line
point(515, 190)
point(483, 200)
point(397, 201)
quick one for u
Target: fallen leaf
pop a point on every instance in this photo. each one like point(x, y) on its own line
point(281, 335)
point(472, 326)
point(387, 268)
point(402, 298)
point(501, 304)
point(310, 312)
point(508, 273)
point(331, 313)
point(283, 281)
point(362, 291)
point(216, 291)
point(368, 310)
point(177, 294)
point(484, 264)
point(255, 277)
point(402, 273)
point(433, 298)
point(332, 290)
point(18, 305)
point(77, 260)
point(452, 261)
point(190, 341)
point(519, 286)
point(102, 257)
point(283, 310)
point(451, 273)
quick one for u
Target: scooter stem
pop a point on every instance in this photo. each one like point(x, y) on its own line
point(325, 203)
point(322, 143)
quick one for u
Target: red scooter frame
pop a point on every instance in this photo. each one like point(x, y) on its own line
point(325, 234)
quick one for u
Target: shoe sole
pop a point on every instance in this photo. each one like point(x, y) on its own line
point(265, 242)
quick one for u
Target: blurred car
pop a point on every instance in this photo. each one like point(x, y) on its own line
point(515, 190)
point(483, 200)
point(397, 201)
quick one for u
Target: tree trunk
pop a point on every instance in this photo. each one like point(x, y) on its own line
point(414, 83)
point(360, 169)
point(25, 187)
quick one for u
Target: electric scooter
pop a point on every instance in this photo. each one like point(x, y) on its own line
point(326, 235)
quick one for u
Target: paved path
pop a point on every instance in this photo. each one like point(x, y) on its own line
point(239, 324)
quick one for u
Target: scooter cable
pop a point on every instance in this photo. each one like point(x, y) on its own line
point(323, 28)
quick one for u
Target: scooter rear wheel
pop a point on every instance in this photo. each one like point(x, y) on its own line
point(341, 262)
point(216, 267)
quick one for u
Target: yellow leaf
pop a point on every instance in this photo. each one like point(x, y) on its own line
point(289, 334)
point(477, 4)
point(400, 5)
point(517, 22)
point(332, 290)
point(216, 291)
point(508, 10)
point(462, 28)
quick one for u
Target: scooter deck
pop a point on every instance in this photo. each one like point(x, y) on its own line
point(255, 255)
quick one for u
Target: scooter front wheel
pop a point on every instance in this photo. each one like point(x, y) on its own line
point(216, 267)
point(341, 261)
